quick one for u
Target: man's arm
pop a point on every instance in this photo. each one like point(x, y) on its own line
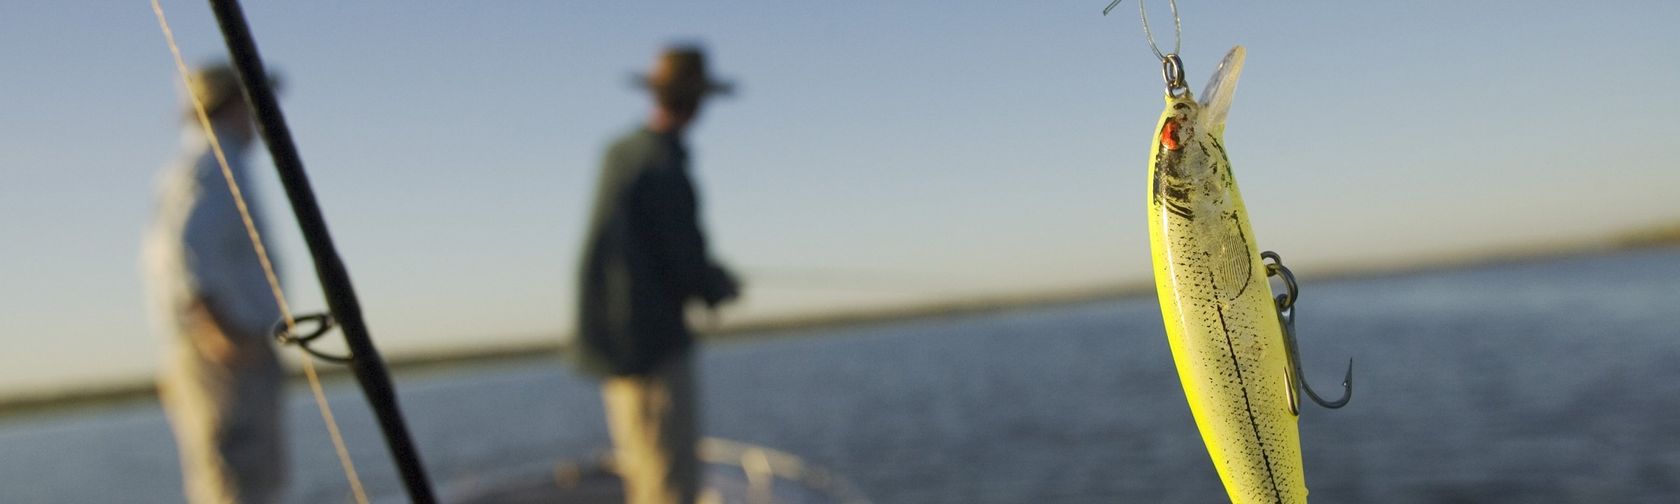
point(670, 214)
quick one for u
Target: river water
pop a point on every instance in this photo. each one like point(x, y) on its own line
point(1542, 381)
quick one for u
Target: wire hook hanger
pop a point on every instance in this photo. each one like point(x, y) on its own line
point(1172, 69)
point(1178, 27)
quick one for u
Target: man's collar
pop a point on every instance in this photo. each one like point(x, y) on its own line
point(193, 137)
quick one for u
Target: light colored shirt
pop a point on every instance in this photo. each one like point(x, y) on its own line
point(197, 248)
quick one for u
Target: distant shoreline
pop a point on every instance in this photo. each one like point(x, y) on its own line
point(144, 390)
point(139, 390)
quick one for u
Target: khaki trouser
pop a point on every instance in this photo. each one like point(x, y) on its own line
point(222, 396)
point(652, 419)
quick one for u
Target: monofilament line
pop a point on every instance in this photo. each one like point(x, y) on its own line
point(262, 257)
point(1178, 28)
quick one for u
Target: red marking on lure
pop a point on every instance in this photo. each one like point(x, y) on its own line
point(1169, 135)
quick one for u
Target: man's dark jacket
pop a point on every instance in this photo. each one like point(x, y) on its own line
point(643, 258)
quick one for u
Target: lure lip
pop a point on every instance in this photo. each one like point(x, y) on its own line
point(1221, 88)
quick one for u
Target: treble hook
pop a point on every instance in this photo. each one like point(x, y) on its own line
point(1286, 318)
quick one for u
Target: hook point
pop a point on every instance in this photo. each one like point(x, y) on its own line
point(1347, 380)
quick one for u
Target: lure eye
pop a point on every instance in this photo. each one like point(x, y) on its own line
point(1169, 135)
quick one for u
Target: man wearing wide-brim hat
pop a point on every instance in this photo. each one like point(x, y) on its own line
point(644, 259)
point(220, 382)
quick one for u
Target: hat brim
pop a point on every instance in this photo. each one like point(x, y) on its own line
point(711, 88)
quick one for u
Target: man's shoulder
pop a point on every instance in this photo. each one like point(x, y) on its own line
point(639, 150)
point(638, 141)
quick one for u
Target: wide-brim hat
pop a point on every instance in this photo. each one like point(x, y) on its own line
point(680, 72)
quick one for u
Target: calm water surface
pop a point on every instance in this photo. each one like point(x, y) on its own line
point(1554, 381)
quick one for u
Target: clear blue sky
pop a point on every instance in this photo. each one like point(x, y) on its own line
point(877, 153)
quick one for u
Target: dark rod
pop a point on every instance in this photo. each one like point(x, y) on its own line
point(335, 280)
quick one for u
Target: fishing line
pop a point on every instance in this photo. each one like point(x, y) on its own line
point(870, 281)
point(262, 257)
point(1178, 28)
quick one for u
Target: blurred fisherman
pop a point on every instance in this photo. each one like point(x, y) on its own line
point(221, 380)
point(644, 258)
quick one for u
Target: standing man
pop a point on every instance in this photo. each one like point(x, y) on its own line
point(221, 380)
point(644, 259)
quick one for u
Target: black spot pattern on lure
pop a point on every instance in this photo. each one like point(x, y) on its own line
point(1205, 296)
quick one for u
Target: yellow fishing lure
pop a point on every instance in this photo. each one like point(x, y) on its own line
point(1221, 320)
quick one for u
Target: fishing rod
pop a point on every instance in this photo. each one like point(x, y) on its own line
point(364, 359)
point(855, 280)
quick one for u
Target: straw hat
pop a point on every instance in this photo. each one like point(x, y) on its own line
point(680, 74)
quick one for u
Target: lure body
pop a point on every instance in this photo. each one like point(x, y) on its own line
point(1220, 318)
